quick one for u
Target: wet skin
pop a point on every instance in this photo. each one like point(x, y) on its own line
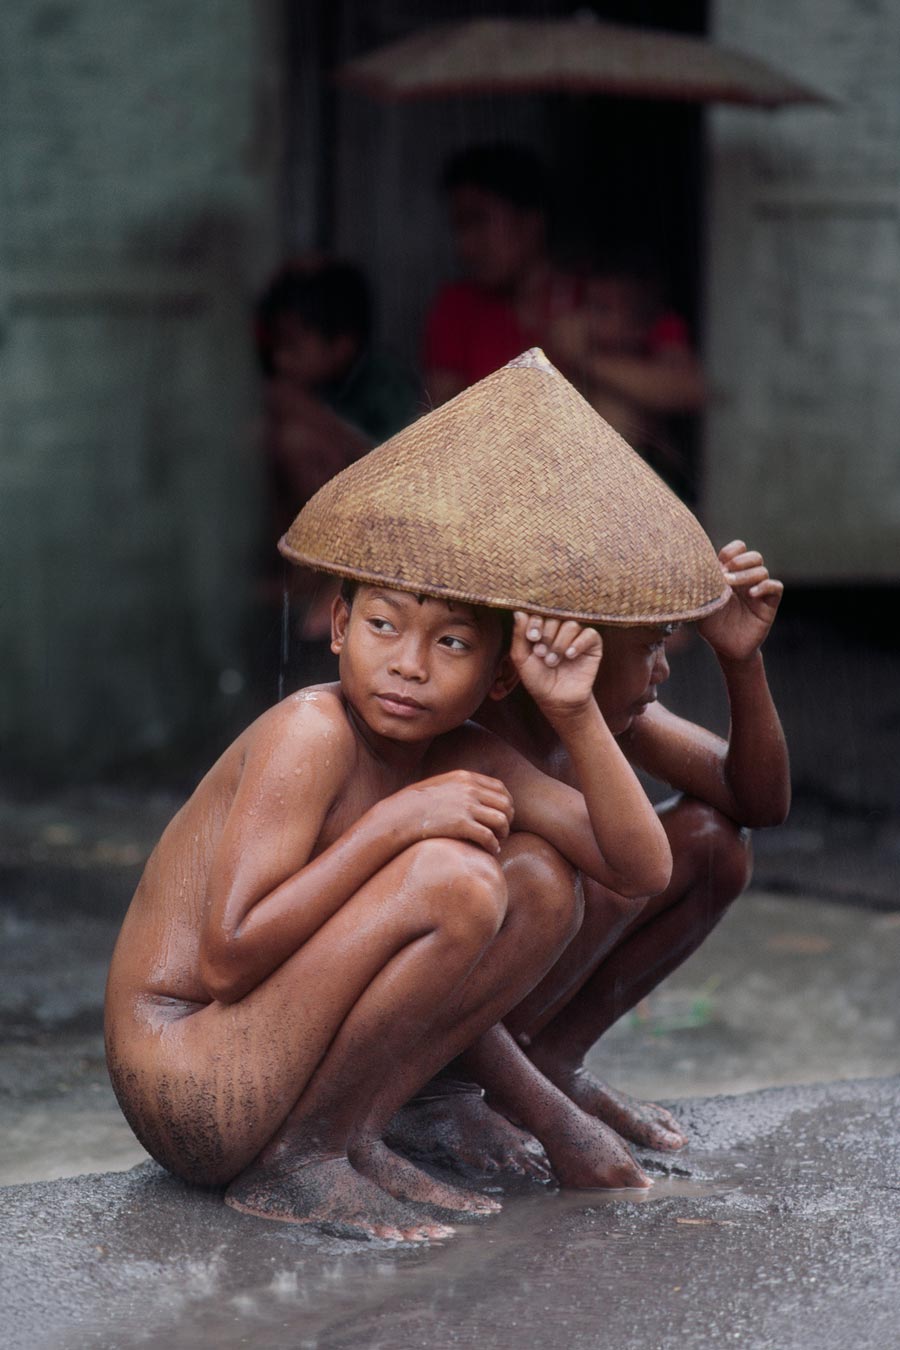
point(624, 948)
point(340, 910)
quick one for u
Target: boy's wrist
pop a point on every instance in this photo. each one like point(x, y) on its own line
point(740, 665)
point(569, 722)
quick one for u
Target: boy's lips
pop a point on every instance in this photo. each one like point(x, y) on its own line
point(400, 704)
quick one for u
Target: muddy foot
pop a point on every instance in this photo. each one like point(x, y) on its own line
point(402, 1179)
point(641, 1122)
point(587, 1155)
point(461, 1132)
point(333, 1197)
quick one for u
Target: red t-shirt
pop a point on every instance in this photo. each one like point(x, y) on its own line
point(473, 333)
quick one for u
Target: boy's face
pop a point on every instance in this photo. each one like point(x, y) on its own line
point(307, 357)
point(413, 670)
point(495, 241)
point(633, 666)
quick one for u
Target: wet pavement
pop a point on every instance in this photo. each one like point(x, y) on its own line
point(777, 1228)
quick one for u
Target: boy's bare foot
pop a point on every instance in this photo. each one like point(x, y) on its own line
point(402, 1179)
point(334, 1197)
point(460, 1131)
point(643, 1123)
point(585, 1154)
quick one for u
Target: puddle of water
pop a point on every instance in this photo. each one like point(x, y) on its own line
point(319, 1293)
point(663, 1188)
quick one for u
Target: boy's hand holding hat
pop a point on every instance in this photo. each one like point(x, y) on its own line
point(737, 631)
point(557, 662)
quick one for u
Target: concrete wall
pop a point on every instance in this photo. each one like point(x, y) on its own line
point(803, 333)
point(138, 146)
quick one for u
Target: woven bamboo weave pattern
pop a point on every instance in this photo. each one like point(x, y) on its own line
point(515, 494)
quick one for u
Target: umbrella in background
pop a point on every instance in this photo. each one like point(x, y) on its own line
point(578, 55)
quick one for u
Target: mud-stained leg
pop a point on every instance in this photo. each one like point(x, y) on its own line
point(622, 952)
point(449, 1123)
point(477, 952)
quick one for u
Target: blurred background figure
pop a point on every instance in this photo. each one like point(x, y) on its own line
point(512, 292)
point(632, 358)
point(328, 397)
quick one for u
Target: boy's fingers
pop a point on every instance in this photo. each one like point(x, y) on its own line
point(521, 624)
point(565, 636)
point(520, 647)
point(497, 801)
point(751, 577)
point(587, 640)
point(750, 558)
point(483, 837)
point(530, 626)
point(768, 588)
point(731, 550)
point(549, 629)
point(496, 821)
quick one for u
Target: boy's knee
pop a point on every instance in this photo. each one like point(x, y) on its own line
point(461, 885)
point(541, 879)
point(720, 851)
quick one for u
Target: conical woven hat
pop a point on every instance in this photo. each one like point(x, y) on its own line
point(515, 494)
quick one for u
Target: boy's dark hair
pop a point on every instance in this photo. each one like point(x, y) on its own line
point(331, 298)
point(348, 590)
point(514, 173)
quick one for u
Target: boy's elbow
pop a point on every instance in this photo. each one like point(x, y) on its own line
point(650, 880)
point(765, 815)
point(774, 814)
point(658, 880)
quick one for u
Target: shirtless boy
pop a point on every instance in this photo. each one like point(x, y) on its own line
point(357, 893)
point(625, 945)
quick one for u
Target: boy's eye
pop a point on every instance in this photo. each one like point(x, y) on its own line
point(382, 625)
point(456, 644)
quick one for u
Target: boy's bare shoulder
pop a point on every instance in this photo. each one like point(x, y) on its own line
point(307, 729)
point(664, 744)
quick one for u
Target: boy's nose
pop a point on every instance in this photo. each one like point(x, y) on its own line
point(409, 662)
point(660, 669)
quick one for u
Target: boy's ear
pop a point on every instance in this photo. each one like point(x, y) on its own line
point(505, 680)
point(340, 617)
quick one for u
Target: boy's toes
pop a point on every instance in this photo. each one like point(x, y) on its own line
point(428, 1232)
point(667, 1141)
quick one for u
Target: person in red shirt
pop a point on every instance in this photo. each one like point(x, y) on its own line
point(632, 358)
point(512, 293)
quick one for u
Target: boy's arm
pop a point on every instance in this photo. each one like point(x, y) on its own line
point(265, 895)
point(668, 383)
point(747, 778)
point(608, 830)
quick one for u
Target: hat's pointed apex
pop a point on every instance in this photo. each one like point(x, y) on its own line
point(533, 359)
